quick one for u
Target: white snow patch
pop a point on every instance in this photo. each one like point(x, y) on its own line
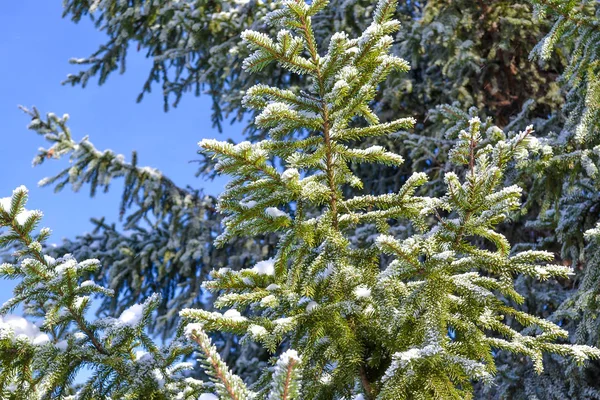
point(257, 331)
point(234, 315)
point(275, 212)
point(208, 396)
point(268, 301)
point(143, 357)
point(326, 273)
point(265, 267)
point(289, 174)
point(191, 328)
point(41, 339)
point(284, 321)
point(24, 215)
point(62, 345)
point(132, 316)
point(5, 203)
point(311, 306)
point(362, 291)
point(21, 328)
point(49, 260)
point(248, 204)
point(68, 264)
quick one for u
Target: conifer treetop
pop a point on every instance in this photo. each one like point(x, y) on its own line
point(423, 324)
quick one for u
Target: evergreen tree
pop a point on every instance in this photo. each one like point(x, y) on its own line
point(42, 360)
point(457, 51)
point(428, 323)
point(467, 51)
point(165, 245)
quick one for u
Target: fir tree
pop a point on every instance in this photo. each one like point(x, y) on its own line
point(164, 245)
point(42, 360)
point(195, 44)
point(428, 323)
point(171, 251)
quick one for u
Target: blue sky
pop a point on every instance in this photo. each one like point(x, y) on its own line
point(36, 44)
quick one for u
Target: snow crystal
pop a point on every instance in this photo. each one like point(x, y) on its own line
point(132, 316)
point(362, 291)
point(265, 267)
point(272, 287)
point(275, 212)
point(359, 397)
point(87, 283)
